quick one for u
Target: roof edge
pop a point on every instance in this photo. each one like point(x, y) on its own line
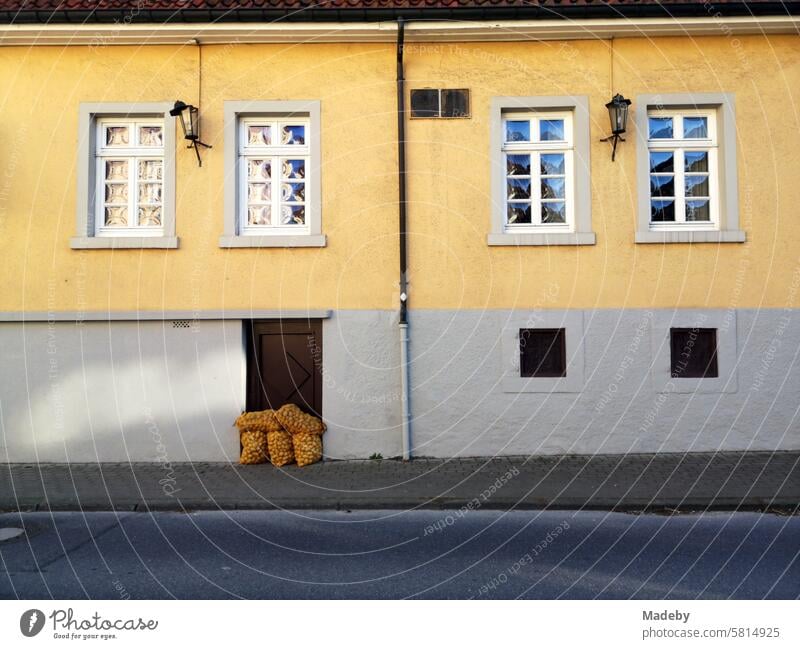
point(533, 12)
point(97, 35)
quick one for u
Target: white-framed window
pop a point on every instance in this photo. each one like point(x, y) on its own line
point(684, 172)
point(129, 157)
point(541, 190)
point(538, 153)
point(273, 173)
point(686, 169)
point(272, 186)
point(126, 176)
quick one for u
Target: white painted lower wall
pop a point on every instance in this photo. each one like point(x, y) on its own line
point(625, 400)
point(361, 384)
point(153, 392)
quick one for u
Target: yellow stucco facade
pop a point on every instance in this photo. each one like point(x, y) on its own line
point(451, 265)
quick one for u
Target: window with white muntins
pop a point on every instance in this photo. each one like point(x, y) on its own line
point(684, 176)
point(126, 176)
point(130, 177)
point(273, 170)
point(538, 156)
point(539, 153)
point(686, 169)
point(272, 179)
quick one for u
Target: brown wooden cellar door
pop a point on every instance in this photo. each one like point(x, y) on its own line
point(284, 365)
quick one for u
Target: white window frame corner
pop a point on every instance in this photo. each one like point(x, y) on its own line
point(85, 234)
point(572, 323)
point(581, 233)
point(724, 322)
point(726, 229)
point(232, 236)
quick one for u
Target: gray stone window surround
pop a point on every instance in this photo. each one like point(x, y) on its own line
point(572, 322)
point(728, 231)
point(231, 238)
point(660, 371)
point(582, 234)
point(85, 238)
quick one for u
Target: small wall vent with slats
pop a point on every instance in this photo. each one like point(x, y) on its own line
point(181, 324)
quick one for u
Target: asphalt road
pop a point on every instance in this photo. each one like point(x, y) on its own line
point(394, 554)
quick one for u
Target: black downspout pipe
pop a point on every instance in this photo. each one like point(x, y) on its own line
point(401, 170)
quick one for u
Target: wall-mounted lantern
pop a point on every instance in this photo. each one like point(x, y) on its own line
point(190, 123)
point(618, 114)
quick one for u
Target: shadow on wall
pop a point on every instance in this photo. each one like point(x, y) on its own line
point(121, 391)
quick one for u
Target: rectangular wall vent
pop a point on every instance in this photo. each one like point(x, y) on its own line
point(433, 103)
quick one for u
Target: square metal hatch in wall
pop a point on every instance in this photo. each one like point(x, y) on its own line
point(543, 353)
point(693, 353)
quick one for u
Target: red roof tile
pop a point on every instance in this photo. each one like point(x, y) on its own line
point(179, 10)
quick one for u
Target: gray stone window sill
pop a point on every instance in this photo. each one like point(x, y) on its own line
point(537, 239)
point(691, 236)
point(121, 243)
point(274, 241)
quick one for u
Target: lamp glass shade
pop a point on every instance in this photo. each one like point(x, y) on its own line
point(618, 113)
point(189, 118)
point(192, 128)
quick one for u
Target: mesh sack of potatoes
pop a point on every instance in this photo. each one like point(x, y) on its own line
point(307, 448)
point(263, 420)
point(297, 422)
point(281, 450)
point(254, 447)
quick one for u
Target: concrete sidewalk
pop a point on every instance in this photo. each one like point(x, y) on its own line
point(693, 481)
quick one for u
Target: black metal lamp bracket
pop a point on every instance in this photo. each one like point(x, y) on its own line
point(194, 144)
point(614, 138)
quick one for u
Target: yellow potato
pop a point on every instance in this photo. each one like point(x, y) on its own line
point(296, 422)
point(254, 447)
point(263, 420)
point(307, 448)
point(281, 451)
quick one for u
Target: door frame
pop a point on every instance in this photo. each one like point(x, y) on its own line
point(292, 326)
